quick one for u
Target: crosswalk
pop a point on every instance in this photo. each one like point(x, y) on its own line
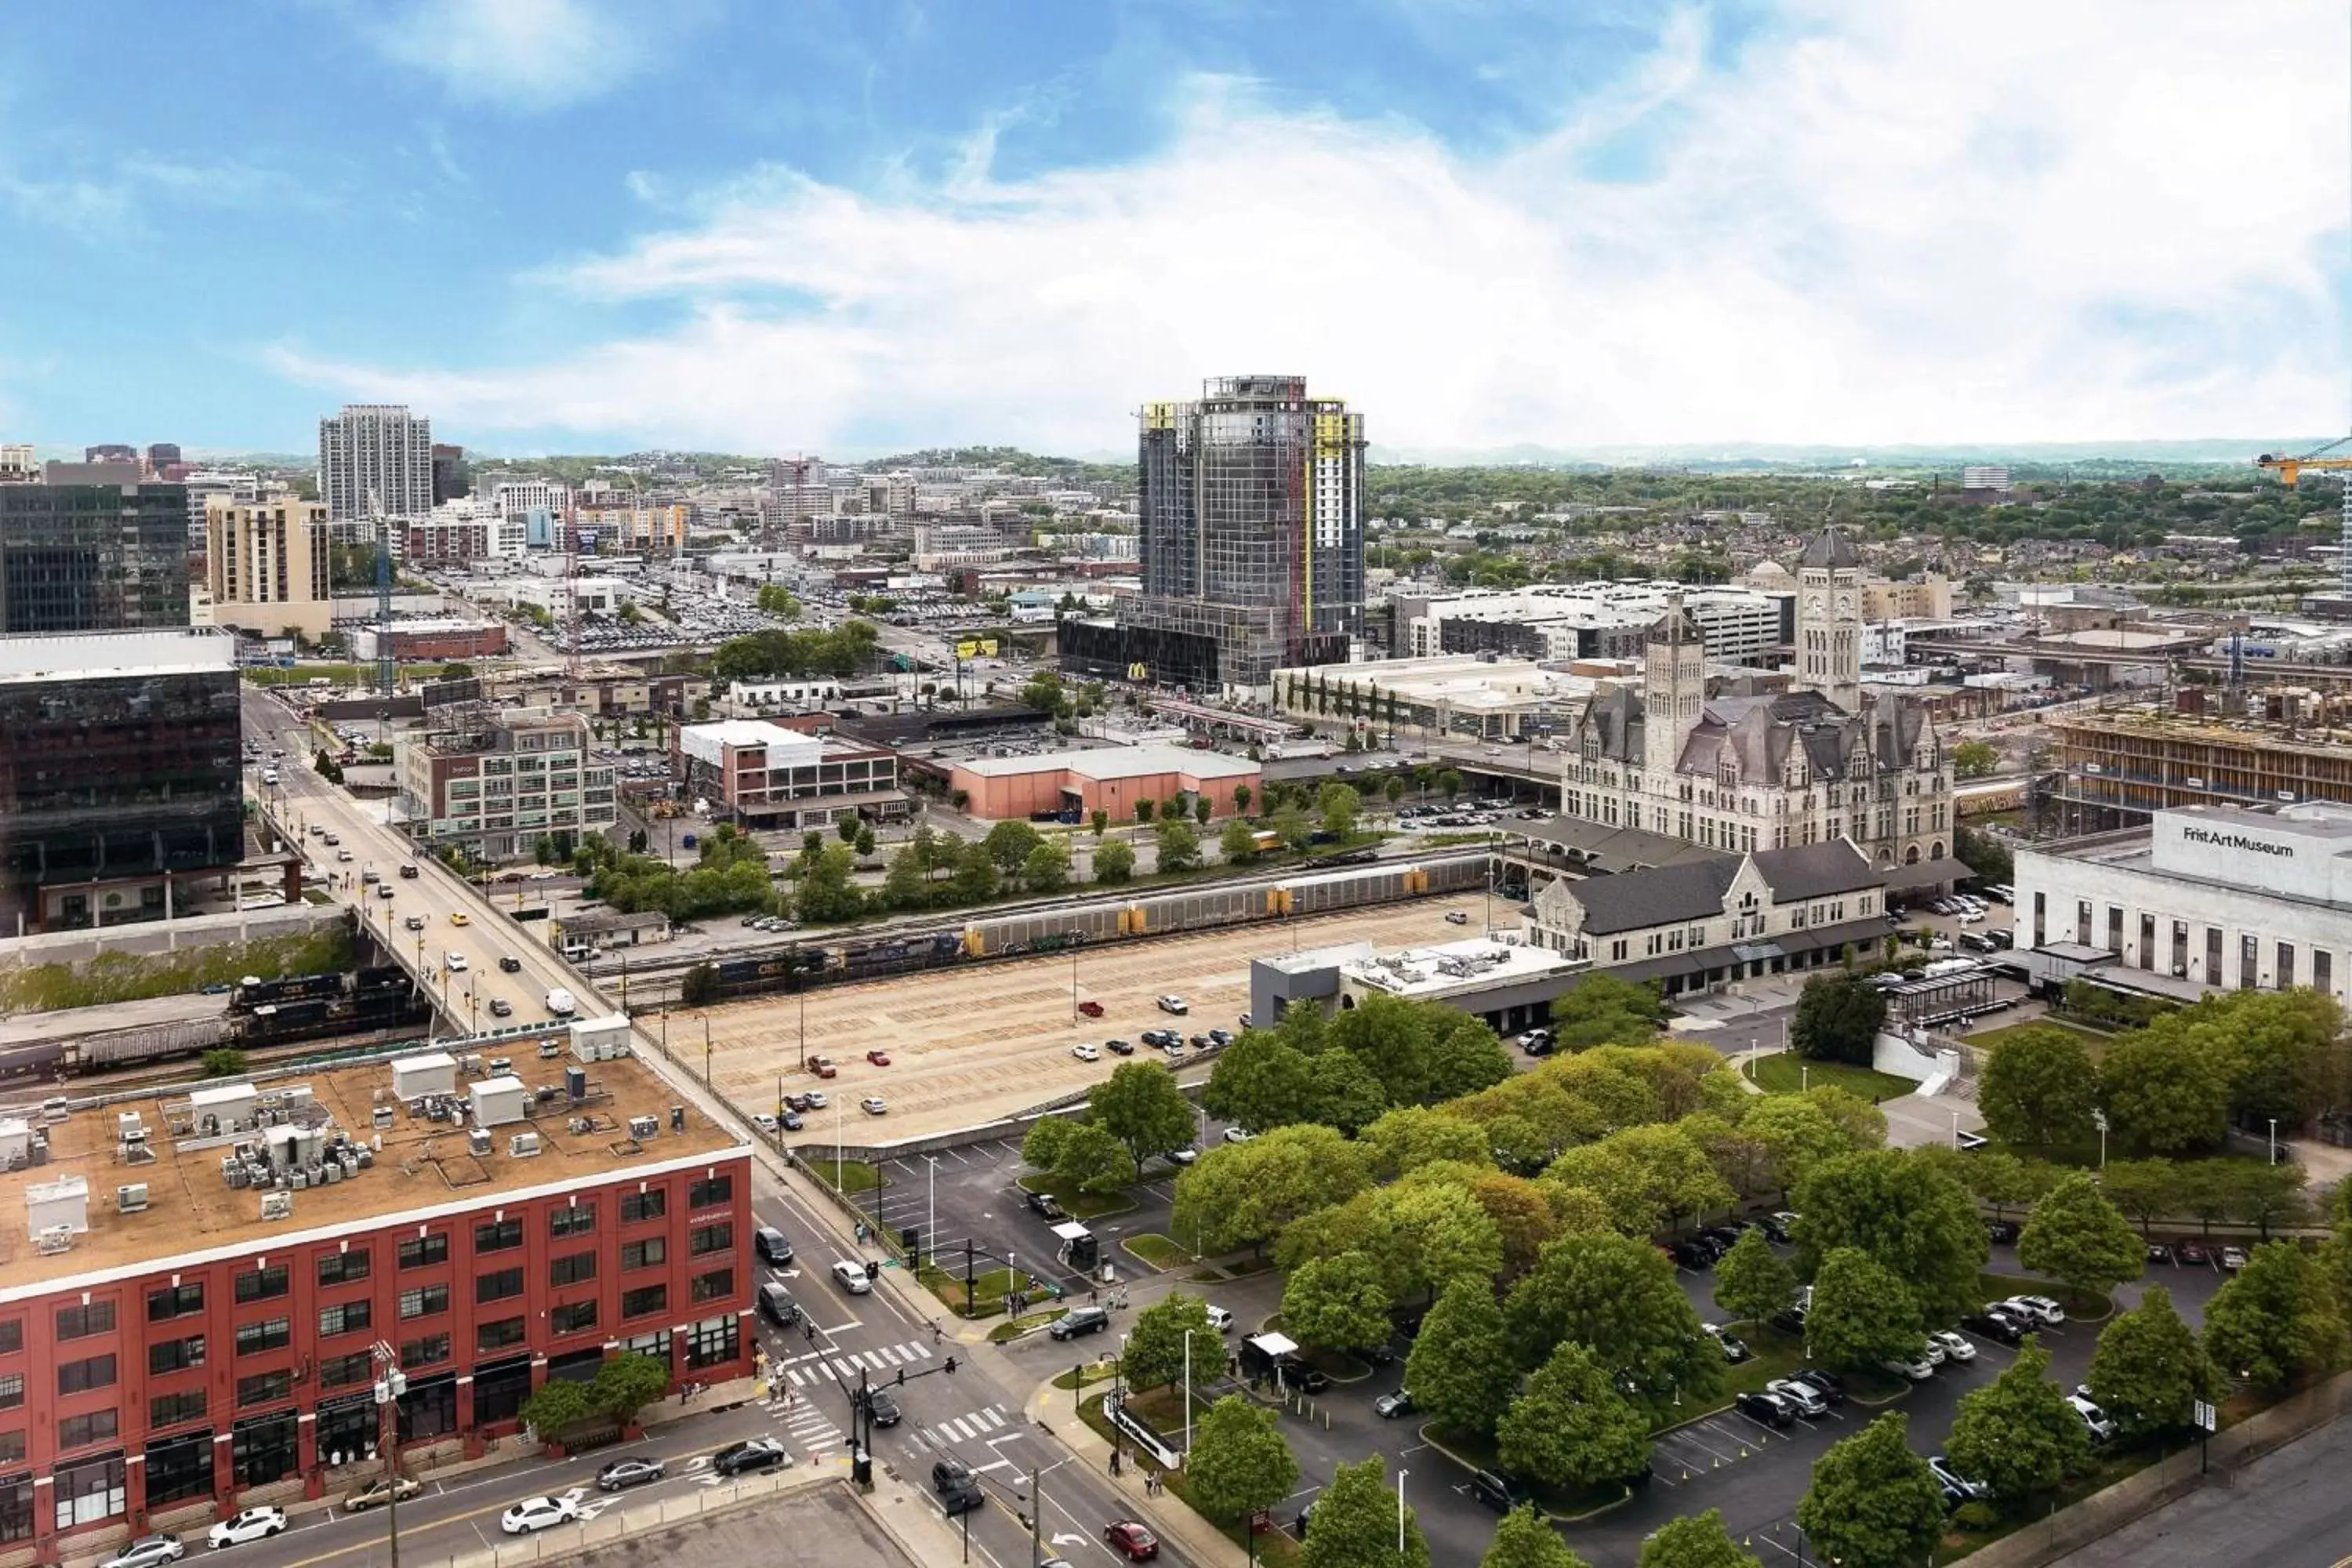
point(816, 1369)
point(964, 1428)
point(811, 1429)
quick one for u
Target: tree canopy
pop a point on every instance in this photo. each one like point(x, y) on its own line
point(1873, 1503)
point(1837, 1020)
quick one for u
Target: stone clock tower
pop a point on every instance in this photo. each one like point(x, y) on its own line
point(1829, 619)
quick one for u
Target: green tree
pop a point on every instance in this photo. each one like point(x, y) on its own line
point(1179, 846)
point(1141, 1106)
point(1356, 1523)
point(1201, 810)
point(1873, 1503)
point(825, 894)
point(1974, 760)
point(1338, 1302)
point(2076, 1236)
point(1570, 1428)
point(2163, 1096)
point(1239, 1462)
point(1838, 1019)
point(2274, 1321)
point(1338, 805)
point(975, 879)
point(1289, 824)
point(2143, 1190)
point(907, 883)
point(1460, 1368)
point(1260, 1082)
point(1796, 1135)
point(1410, 1136)
point(1449, 784)
point(1153, 1356)
point(1046, 869)
point(1694, 1542)
point(1617, 1297)
point(227, 1061)
point(1114, 862)
point(1237, 843)
point(1862, 1314)
point(1753, 1282)
point(1912, 1218)
point(1144, 808)
point(846, 827)
point(1043, 1146)
point(864, 842)
point(1243, 796)
point(1009, 842)
point(2148, 1369)
point(1342, 1092)
point(2017, 1434)
point(2003, 1180)
point(2039, 1088)
point(2265, 1195)
point(1100, 820)
point(1242, 1194)
point(1526, 1538)
point(626, 1383)
point(699, 986)
point(1092, 1161)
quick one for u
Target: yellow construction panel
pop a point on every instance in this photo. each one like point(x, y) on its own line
point(1160, 416)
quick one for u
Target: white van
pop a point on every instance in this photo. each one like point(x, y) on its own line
point(559, 1003)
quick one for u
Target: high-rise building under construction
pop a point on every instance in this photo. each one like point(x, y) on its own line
point(1251, 534)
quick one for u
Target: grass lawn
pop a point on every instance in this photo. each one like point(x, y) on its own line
point(1274, 1546)
point(1156, 1250)
point(1475, 1453)
point(988, 1291)
point(1020, 1326)
point(1085, 1376)
point(1873, 1387)
point(852, 1177)
point(1082, 1205)
point(1788, 1072)
point(2093, 1043)
point(1777, 1355)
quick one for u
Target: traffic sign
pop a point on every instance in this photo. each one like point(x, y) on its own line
point(2208, 1418)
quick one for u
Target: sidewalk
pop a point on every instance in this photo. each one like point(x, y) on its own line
point(1052, 1409)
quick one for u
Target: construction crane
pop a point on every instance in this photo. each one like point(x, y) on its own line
point(387, 668)
point(2290, 469)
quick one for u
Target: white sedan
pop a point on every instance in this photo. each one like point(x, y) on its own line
point(538, 1513)
point(253, 1524)
point(1087, 1053)
point(874, 1105)
point(1956, 1347)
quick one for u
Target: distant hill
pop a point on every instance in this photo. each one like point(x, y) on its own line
point(1763, 456)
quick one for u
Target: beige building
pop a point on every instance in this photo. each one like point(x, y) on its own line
point(267, 567)
point(1928, 599)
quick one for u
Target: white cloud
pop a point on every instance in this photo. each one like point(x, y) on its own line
point(2110, 219)
point(516, 54)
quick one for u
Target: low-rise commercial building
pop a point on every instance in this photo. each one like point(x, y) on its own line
point(1113, 779)
point(496, 781)
point(200, 1285)
point(1565, 621)
point(119, 773)
point(425, 639)
point(759, 775)
point(1476, 695)
point(1503, 981)
point(2226, 897)
point(1703, 923)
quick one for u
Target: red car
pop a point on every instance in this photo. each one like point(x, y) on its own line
point(2189, 1250)
point(879, 1058)
point(1131, 1541)
point(821, 1066)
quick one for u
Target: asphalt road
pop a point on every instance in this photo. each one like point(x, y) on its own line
point(2287, 1509)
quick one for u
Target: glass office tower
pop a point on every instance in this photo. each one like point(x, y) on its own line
point(93, 557)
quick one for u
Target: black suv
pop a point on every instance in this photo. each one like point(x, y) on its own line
point(1997, 1326)
point(881, 1409)
point(1080, 1321)
point(776, 1305)
point(1768, 1408)
point(1498, 1489)
point(752, 1454)
point(770, 1243)
point(950, 1473)
point(1047, 1206)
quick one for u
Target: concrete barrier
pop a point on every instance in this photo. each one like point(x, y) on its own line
point(2176, 1474)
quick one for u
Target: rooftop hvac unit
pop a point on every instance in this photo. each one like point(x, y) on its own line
point(523, 1145)
point(55, 1109)
point(130, 1198)
point(278, 1206)
point(382, 1117)
point(643, 1127)
point(478, 1142)
point(57, 1238)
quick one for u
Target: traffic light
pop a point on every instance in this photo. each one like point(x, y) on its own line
point(911, 1238)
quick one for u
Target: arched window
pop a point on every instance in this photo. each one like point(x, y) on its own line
point(1911, 856)
point(1936, 850)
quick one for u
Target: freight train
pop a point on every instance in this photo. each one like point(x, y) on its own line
point(1337, 882)
point(306, 1006)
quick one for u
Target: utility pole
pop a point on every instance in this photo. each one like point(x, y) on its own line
point(391, 1383)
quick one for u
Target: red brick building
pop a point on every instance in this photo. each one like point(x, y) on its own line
point(185, 1329)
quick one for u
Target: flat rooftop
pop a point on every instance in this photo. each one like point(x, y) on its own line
point(84, 656)
point(1117, 763)
point(424, 1166)
point(1454, 966)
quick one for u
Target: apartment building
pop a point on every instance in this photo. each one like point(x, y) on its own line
point(375, 459)
point(268, 566)
point(498, 780)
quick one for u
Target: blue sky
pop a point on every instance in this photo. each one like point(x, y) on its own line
point(773, 227)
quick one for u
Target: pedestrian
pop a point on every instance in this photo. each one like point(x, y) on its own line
point(1113, 1461)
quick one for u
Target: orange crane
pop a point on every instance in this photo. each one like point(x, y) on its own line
point(2291, 468)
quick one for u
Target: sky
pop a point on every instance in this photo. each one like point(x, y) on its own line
point(852, 227)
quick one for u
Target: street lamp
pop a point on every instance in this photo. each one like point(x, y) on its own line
point(1401, 1476)
point(1188, 1396)
point(705, 1050)
point(2102, 1142)
point(2099, 1120)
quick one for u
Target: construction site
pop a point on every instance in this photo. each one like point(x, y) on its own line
point(968, 1046)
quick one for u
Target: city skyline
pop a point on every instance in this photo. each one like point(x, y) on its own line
point(1789, 222)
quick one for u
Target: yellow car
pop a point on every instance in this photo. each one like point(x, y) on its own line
point(458, 918)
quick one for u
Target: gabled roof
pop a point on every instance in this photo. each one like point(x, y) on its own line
point(1829, 548)
point(1660, 896)
point(1815, 870)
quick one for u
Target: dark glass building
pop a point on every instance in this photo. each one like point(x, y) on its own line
point(119, 773)
point(93, 557)
point(1251, 534)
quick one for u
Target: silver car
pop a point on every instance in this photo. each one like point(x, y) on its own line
point(147, 1551)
